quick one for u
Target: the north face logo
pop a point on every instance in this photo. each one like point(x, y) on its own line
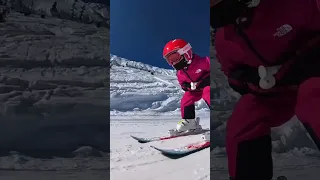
point(198, 71)
point(283, 30)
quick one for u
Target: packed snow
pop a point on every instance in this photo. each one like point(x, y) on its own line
point(145, 102)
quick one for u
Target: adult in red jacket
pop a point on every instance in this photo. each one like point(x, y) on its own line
point(270, 52)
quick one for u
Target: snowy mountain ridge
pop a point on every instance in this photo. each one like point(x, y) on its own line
point(119, 61)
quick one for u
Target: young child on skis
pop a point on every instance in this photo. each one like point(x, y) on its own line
point(193, 73)
point(271, 56)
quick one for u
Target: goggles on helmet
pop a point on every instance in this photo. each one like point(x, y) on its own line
point(176, 56)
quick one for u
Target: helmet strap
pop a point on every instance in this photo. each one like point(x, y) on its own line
point(182, 64)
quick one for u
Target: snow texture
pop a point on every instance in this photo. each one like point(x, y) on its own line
point(132, 160)
point(53, 93)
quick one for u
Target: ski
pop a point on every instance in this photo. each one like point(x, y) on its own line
point(160, 138)
point(183, 151)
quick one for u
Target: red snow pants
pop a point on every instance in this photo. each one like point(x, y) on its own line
point(248, 129)
point(188, 100)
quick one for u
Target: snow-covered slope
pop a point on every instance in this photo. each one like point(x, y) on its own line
point(132, 160)
point(137, 88)
point(53, 98)
point(53, 76)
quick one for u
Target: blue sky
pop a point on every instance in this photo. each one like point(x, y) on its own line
point(140, 28)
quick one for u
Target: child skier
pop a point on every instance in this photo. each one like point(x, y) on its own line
point(193, 73)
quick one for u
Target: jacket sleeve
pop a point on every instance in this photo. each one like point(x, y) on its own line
point(235, 84)
point(184, 85)
point(179, 79)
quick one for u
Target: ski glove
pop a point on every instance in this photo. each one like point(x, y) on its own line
point(240, 76)
point(199, 86)
point(186, 86)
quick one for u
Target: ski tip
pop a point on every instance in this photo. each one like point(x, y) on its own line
point(140, 140)
point(163, 151)
point(134, 137)
point(171, 154)
point(154, 147)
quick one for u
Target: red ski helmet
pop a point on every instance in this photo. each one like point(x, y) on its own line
point(178, 53)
